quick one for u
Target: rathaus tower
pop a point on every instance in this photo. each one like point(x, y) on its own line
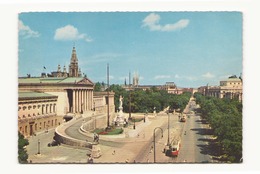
point(74, 70)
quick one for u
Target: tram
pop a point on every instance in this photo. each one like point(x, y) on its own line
point(173, 149)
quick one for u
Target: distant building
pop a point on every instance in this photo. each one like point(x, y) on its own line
point(230, 88)
point(60, 73)
point(74, 70)
point(171, 88)
point(136, 79)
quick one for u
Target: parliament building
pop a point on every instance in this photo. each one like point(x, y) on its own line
point(44, 102)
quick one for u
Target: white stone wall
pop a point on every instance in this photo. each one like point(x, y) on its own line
point(62, 103)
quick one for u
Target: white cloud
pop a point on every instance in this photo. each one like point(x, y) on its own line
point(208, 75)
point(152, 22)
point(162, 77)
point(69, 32)
point(25, 31)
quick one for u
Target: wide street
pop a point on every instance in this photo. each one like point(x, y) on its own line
point(136, 149)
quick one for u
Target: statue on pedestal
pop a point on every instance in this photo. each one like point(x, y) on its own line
point(120, 119)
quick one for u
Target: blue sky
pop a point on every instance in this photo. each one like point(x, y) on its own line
point(188, 48)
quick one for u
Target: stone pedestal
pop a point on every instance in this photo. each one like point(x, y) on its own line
point(96, 151)
point(120, 119)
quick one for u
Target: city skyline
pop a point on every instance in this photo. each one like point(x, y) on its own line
point(191, 49)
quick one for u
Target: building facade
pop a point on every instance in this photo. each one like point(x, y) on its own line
point(231, 88)
point(37, 112)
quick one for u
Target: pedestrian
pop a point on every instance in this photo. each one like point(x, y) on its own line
point(90, 159)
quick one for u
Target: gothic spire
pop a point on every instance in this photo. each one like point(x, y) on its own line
point(73, 67)
point(74, 55)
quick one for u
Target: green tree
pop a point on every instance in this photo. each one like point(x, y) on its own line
point(118, 90)
point(225, 118)
point(22, 153)
point(97, 87)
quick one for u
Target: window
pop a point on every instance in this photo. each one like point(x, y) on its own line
point(25, 129)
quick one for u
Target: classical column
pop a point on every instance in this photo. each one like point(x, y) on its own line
point(47, 108)
point(54, 108)
point(91, 92)
point(87, 102)
point(76, 101)
point(43, 109)
point(80, 100)
point(73, 101)
point(50, 108)
point(85, 99)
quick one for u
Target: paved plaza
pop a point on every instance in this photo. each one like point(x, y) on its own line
point(127, 152)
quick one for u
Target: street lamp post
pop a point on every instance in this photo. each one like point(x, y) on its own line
point(130, 96)
point(154, 159)
point(134, 122)
point(39, 143)
point(168, 141)
point(108, 122)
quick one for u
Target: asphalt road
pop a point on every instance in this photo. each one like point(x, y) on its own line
point(194, 142)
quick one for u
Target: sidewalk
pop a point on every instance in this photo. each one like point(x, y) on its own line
point(55, 154)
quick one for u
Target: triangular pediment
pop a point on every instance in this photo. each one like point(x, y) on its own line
point(85, 81)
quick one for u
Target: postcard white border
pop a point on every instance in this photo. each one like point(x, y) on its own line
point(9, 50)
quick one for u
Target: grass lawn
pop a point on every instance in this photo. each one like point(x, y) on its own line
point(113, 131)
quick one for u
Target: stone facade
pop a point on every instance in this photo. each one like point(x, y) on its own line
point(231, 88)
point(75, 95)
point(37, 112)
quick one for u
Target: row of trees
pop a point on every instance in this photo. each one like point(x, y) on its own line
point(225, 118)
point(146, 101)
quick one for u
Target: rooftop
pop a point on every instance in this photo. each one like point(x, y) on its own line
point(51, 80)
point(31, 94)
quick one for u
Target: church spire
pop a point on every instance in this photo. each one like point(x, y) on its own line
point(74, 55)
point(73, 67)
